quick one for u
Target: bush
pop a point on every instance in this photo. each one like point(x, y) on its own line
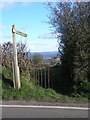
point(37, 58)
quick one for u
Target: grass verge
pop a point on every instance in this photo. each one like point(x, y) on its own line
point(29, 91)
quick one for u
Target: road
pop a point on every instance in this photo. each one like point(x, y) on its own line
point(23, 111)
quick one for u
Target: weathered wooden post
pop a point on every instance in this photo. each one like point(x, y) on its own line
point(41, 75)
point(48, 78)
point(0, 55)
point(38, 76)
point(16, 73)
point(45, 76)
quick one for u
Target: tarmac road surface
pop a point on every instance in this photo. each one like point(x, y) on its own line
point(33, 111)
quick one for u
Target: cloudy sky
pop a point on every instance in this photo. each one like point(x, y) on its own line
point(30, 18)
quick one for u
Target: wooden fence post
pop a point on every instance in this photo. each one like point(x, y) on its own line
point(48, 78)
point(41, 76)
point(45, 76)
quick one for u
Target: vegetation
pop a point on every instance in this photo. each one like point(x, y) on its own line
point(22, 53)
point(0, 88)
point(55, 60)
point(37, 58)
point(29, 91)
point(72, 21)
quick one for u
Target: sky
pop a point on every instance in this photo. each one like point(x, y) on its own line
point(30, 18)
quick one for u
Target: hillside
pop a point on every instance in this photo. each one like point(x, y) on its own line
point(46, 55)
point(30, 91)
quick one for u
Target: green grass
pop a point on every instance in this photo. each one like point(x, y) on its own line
point(0, 81)
point(0, 89)
point(29, 91)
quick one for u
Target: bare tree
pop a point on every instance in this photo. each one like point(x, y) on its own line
point(7, 54)
point(23, 59)
point(0, 54)
point(22, 52)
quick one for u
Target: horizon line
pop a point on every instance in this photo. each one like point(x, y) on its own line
point(43, 51)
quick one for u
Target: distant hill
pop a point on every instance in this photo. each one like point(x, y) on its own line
point(46, 55)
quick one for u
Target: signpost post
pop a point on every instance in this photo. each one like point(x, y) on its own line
point(16, 73)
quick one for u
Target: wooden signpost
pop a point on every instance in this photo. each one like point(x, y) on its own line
point(16, 73)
